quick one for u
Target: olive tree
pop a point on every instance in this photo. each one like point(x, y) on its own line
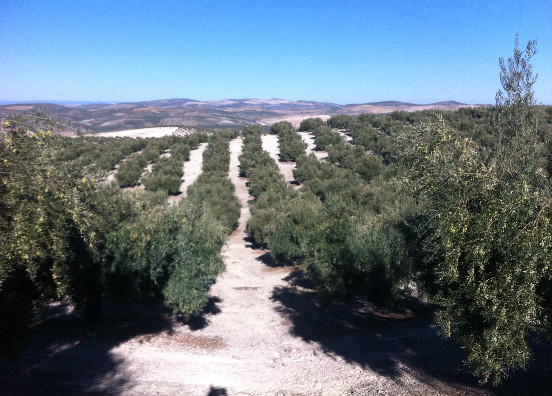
point(487, 233)
point(51, 218)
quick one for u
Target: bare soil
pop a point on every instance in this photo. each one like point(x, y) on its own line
point(309, 139)
point(294, 119)
point(345, 135)
point(141, 133)
point(270, 145)
point(264, 332)
point(192, 169)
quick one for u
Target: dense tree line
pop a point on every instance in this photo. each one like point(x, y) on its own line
point(331, 225)
point(466, 218)
point(325, 137)
point(266, 184)
point(103, 153)
point(344, 155)
point(64, 235)
point(213, 190)
point(165, 174)
point(50, 228)
point(129, 172)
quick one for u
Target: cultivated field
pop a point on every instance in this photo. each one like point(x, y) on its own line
point(265, 331)
point(142, 132)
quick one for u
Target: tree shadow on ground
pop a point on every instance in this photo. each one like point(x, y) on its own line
point(252, 244)
point(68, 355)
point(201, 321)
point(213, 391)
point(267, 259)
point(392, 343)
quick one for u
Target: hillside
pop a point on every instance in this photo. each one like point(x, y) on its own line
point(211, 114)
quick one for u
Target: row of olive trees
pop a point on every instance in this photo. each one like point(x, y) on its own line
point(167, 173)
point(172, 253)
point(52, 222)
point(467, 219)
point(213, 190)
point(64, 235)
point(470, 223)
point(343, 154)
point(99, 153)
point(291, 144)
point(331, 224)
point(130, 170)
point(266, 184)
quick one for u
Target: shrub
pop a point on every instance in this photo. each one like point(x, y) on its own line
point(165, 176)
point(311, 124)
point(291, 144)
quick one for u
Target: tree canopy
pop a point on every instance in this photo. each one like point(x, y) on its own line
point(486, 226)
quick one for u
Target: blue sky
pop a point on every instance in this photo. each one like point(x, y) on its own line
point(336, 51)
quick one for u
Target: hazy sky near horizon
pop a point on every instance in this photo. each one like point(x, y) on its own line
point(344, 52)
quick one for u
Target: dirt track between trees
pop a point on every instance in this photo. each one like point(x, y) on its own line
point(270, 145)
point(191, 170)
point(309, 139)
point(264, 332)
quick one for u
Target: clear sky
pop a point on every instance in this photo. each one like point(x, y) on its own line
point(337, 51)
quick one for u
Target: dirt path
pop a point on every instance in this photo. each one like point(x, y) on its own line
point(111, 174)
point(192, 169)
point(345, 135)
point(266, 334)
point(270, 145)
point(309, 139)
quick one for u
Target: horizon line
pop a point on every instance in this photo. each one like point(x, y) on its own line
point(4, 102)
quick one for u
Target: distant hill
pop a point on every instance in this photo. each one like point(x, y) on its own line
point(226, 113)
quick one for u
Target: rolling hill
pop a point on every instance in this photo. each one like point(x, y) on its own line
point(228, 113)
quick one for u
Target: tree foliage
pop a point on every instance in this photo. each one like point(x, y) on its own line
point(311, 124)
point(163, 253)
point(166, 176)
point(213, 189)
point(66, 236)
point(51, 218)
point(488, 235)
point(291, 144)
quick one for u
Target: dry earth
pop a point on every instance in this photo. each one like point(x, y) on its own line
point(270, 145)
point(295, 119)
point(141, 133)
point(345, 135)
point(192, 170)
point(264, 332)
point(309, 139)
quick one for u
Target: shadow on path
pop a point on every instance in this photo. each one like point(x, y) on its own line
point(250, 243)
point(68, 355)
point(391, 344)
point(199, 322)
point(217, 392)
